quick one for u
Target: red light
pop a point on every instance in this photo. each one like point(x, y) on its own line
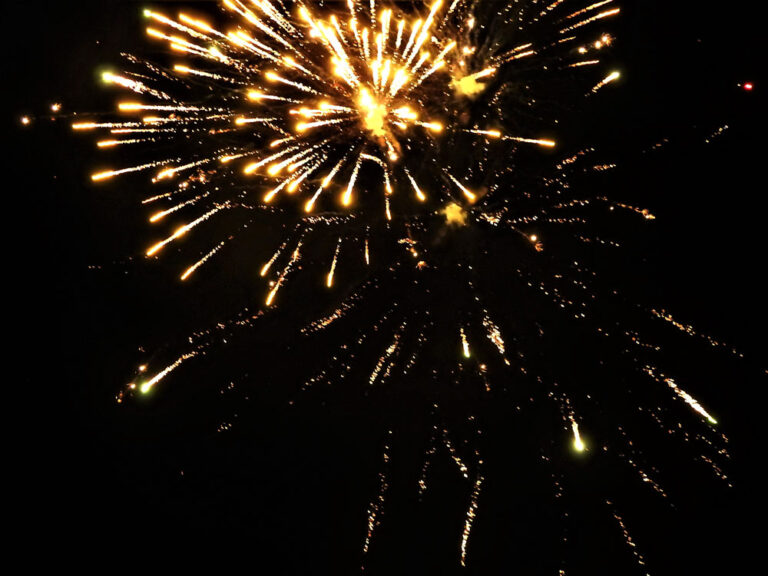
point(748, 86)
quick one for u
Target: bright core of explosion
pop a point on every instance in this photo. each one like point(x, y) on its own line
point(373, 114)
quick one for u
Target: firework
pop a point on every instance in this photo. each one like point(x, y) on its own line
point(382, 137)
point(301, 98)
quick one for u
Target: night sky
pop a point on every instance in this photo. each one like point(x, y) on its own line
point(289, 485)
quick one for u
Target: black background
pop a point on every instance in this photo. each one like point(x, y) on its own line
point(290, 486)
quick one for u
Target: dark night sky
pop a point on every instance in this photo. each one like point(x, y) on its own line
point(291, 484)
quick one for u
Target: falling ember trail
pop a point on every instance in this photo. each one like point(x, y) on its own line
point(279, 282)
point(375, 508)
point(189, 271)
point(687, 398)
point(183, 230)
point(627, 538)
point(540, 142)
point(607, 80)
point(464, 343)
point(329, 279)
point(296, 123)
point(470, 195)
point(471, 514)
point(578, 443)
point(149, 384)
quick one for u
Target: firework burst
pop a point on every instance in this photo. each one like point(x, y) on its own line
point(387, 142)
point(308, 103)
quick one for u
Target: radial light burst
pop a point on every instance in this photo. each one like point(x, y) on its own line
point(389, 137)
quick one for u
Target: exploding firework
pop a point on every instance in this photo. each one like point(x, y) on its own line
point(406, 154)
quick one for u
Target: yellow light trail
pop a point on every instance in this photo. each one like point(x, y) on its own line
point(113, 143)
point(176, 25)
point(137, 106)
point(607, 80)
point(183, 230)
point(682, 394)
point(419, 194)
point(347, 198)
point(600, 16)
point(294, 258)
point(274, 77)
point(470, 195)
point(258, 96)
point(471, 514)
point(578, 443)
point(95, 125)
point(490, 133)
point(464, 343)
point(189, 271)
point(112, 173)
point(149, 384)
point(540, 142)
point(252, 167)
point(329, 278)
point(157, 216)
point(242, 120)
